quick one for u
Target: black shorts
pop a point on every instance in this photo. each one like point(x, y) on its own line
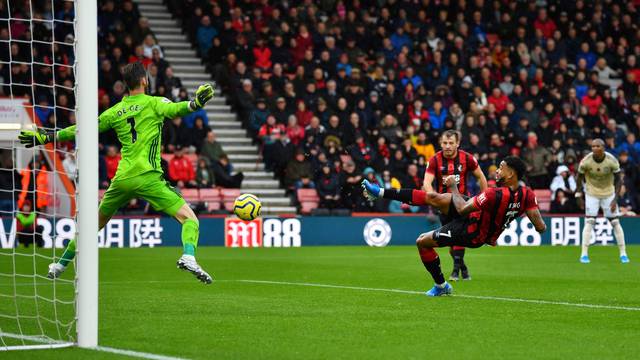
point(452, 214)
point(456, 233)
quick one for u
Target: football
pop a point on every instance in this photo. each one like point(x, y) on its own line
point(247, 207)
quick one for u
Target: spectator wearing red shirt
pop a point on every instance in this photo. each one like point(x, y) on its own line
point(112, 159)
point(262, 55)
point(295, 132)
point(544, 24)
point(138, 55)
point(271, 130)
point(302, 42)
point(181, 170)
point(302, 114)
point(499, 100)
point(592, 101)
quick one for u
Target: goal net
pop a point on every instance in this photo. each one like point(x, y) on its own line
point(38, 208)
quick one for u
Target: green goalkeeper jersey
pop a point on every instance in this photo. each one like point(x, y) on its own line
point(137, 121)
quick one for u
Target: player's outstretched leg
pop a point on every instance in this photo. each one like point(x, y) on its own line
point(57, 268)
point(619, 234)
point(431, 262)
point(190, 233)
point(586, 239)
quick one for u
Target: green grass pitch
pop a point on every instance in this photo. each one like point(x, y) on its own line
point(147, 305)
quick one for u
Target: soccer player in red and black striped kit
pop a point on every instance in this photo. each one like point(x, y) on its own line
point(483, 217)
point(452, 161)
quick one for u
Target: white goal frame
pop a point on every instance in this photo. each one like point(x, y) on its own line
point(87, 189)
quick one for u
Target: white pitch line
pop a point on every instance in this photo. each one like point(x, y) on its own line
point(49, 343)
point(136, 354)
point(479, 297)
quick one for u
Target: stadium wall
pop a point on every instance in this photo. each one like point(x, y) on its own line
point(133, 232)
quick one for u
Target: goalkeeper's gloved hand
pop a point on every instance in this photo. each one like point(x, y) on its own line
point(204, 93)
point(32, 138)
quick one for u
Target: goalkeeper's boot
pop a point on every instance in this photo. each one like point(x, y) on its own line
point(188, 262)
point(624, 259)
point(585, 259)
point(372, 191)
point(440, 290)
point(455, 274)
point(55, 270)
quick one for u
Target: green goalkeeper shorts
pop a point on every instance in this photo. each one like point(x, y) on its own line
point(150, 186)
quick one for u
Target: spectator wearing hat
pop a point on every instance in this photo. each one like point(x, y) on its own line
point(564, 181)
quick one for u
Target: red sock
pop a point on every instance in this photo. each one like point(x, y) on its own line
point(431, 262)
point(419, 197)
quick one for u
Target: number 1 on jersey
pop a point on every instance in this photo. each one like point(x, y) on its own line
point(134, 134)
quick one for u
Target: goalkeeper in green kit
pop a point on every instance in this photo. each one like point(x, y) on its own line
point(137, 121)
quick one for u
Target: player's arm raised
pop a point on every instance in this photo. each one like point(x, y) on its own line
point(40, 136)
point(168, 109)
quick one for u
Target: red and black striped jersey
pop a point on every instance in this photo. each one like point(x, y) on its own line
point(497, 208)
point(460, 166)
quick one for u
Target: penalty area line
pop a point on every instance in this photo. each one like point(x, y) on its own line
point(479, 297)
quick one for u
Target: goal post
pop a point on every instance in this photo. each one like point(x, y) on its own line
point(87, 149)
point(48, 194)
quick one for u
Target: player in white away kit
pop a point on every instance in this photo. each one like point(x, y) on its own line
point(601, 171)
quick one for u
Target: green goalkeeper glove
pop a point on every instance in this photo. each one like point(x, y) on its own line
point(32, 138)
point(203, 95)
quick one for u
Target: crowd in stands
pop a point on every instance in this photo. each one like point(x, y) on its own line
point(192, 158)
point(334, 91)
point(36, 63)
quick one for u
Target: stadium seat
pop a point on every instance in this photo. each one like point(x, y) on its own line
point(307, 195)
point(212, 198)
point(308, 199)
point(544, 199)
point(307, 206)
point(213, 206)
point(228, 197)
point(210, 194)
point(190, 195)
